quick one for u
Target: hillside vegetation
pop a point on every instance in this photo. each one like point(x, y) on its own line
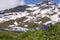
point(53, 33)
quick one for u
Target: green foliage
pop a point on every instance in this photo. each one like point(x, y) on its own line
point(53, 33)
point(45, 19)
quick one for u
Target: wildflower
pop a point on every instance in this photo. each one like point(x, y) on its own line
point(46, 27)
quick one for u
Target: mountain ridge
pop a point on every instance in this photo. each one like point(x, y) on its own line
point(31, 16)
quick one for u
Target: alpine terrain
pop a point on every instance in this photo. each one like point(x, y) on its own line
point(30, 17)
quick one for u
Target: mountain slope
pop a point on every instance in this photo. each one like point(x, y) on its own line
point(32, 16)
point(17, 9)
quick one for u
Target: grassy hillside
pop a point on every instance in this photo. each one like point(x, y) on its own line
point(53, 33)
